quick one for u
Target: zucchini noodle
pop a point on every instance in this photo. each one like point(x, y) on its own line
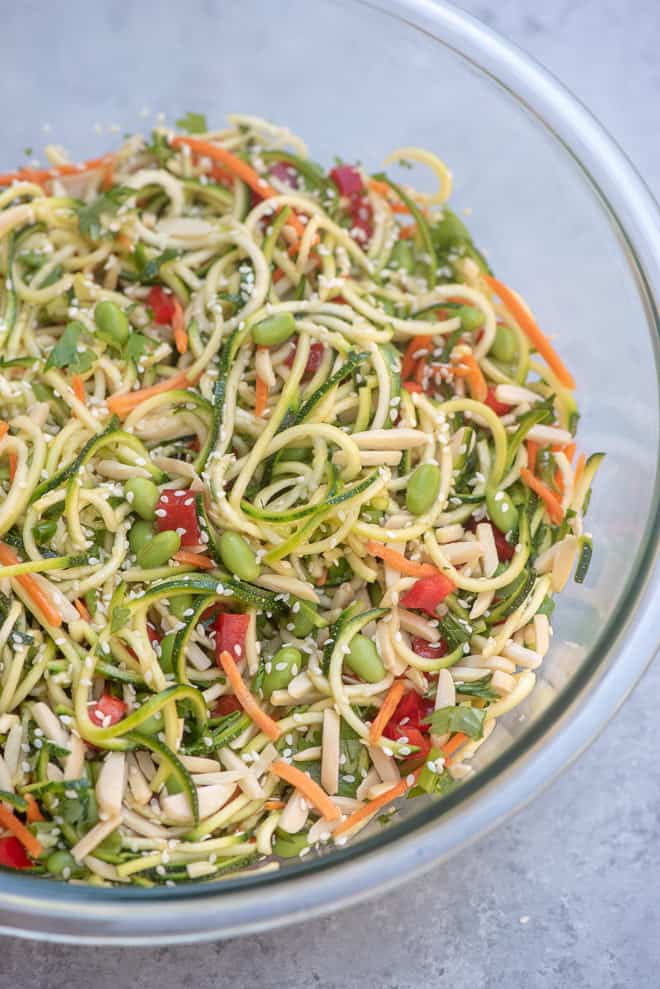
point(286, 494)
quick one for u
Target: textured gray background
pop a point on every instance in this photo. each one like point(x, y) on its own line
point(568, 893)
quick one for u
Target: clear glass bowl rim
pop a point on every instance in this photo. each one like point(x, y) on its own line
point(37, 908)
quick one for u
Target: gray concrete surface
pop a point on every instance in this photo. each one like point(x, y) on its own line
point(567, 893)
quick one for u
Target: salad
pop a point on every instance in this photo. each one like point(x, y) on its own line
point(289, 480)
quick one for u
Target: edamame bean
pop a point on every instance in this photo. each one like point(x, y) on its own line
point(364, 660)
point(237, 556)
point(504, 345)
point(180, 604)
point(159, 550)
point(165, 657)
point(143, 496)
point(284, 665)
point(423, 488)
point(44, 531)
point(289, 846)
point(140, 534)
point(471, 318)
point(111, 323)
point(274, 329)
point(501, 510)
point(112, 844)
point(62, 863)
point(304, 619)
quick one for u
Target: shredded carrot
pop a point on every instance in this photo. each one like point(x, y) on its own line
point(198, 560)
point(320, 581)
point(278, 275)
point(13, 463)
point(78, 386)
point(9, 821)
point(392, 698)
point(406, 233)
point(309, 789)
point(8, 558)
point(124, 241)
point(530, 327)
point(179, 327)
point(274, 805)
point(121, 405)
point(39, 176)
point(468, 367)
point(4, 428)
point(532, 454)
point(412, 386)
point(569, 452)
point(454, 743)
point(108, 176)
point(249, 704)
point(261, 397)
point(579, 468)
point(33, 813)
point(369, 809)
point(81, 608)
point(552, 503)
point(384, 190)
point(420, 372)
point(397, 561)
point(239, 168)
point(418, 347)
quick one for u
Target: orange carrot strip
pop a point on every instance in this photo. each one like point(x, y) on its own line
point(78, 386)
point(9, 821)
point(33, 813)
point(418, 347)
point(579, 468)
point(179, 327)
point(392, 698)
point(406, 233)
point(360, 815)
point(278, 275)
point(249, 704)
point(57, 171)
point(274, 805)
point(552, 503)
point(309, 789)
point(260, 397)
point(8, 558)
point(397, 561)
point(81, 608)
point(4, 428)
point(198, 560)
point(532, 454)
point(455, 742)
point(239, 167)
point(468, 367)
point(384, 190)
point(13, 463)
point(412, 386)
point(121, 405)
point(530, 327)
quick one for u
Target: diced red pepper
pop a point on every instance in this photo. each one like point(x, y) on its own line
point(176, 510)
point(505, 550)
point(162, 305)
point(230, 632)
point(427, 593)
point(226, 704)
point(13, 855)
point(362, 216)
point(408, 722)
point(412, 386)
point(313, 361)
point(285, 172)
point(347, 179)
point(107, 711)
point(426, 649)
point(499, 408)
point(154, 634)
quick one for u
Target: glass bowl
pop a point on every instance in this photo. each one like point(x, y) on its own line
point(562, 216)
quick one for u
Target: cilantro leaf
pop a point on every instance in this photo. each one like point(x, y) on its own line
point(478, 688)
point(469, 720)
point(159, 147)
point(120, 617)
point(89, 214)
point(193, 123)
point(136, 346)
point(66, 349)
point(152, 267)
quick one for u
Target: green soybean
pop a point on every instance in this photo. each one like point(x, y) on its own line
point(44, 531)
point(112, 844)
point(304, 619)
point(62, 863)
point(140, 535)
point(364, 660)
point(284, 665)
point(274, 329)
point(143, 498)
point(159, 550)
point(237, 556)
point(504, 345)
point(289, 845)
point(180, 604)
point(166, 647)
point(423, 488)
point(471, 318)
point(111, 323)
point(501, 510)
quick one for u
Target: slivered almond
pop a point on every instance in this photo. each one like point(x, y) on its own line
point(330, 751)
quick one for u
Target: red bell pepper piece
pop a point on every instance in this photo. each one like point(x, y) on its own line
point(499, 408)
point(230, 632)
point(285, 172)
point(347, 179)
point(426, 649)
point(107, 711)
point(505, 550)
point(176, 510)
point(362, 216)
point(13, 855)
point(427, 593)
point(154, 634)
point(226, 704)
point(313, 361)
point(162, 305)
